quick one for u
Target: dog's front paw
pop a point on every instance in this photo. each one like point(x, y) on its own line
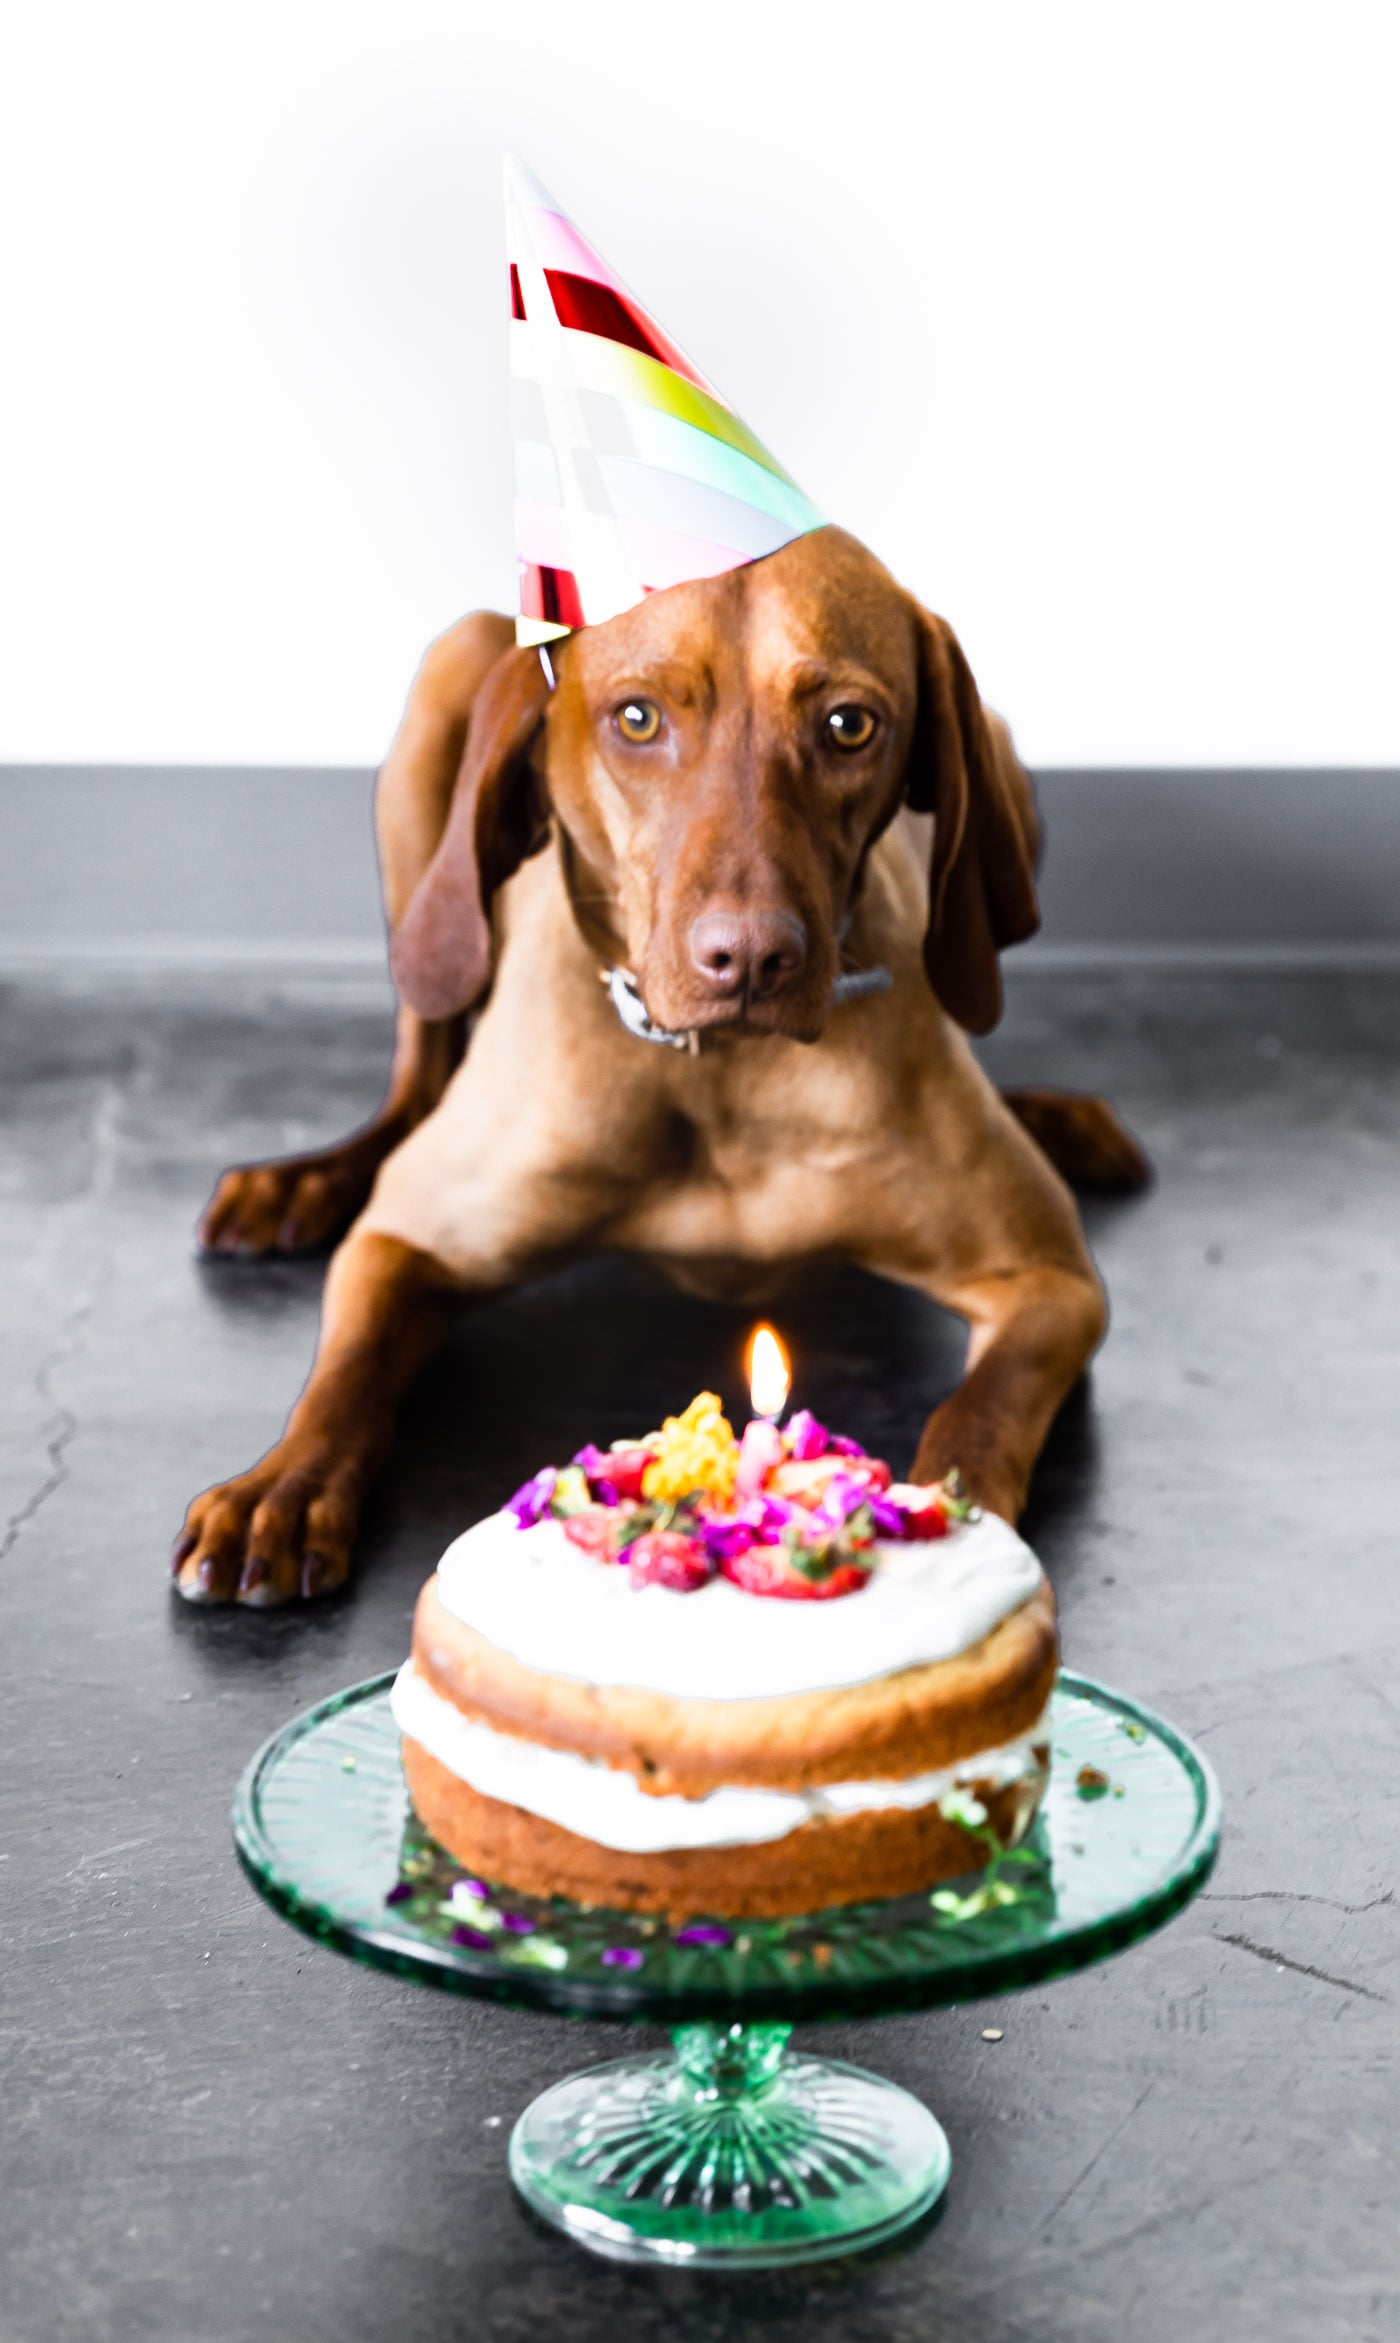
point(954, 1441)
point(276, 1534)
point(299, 1206)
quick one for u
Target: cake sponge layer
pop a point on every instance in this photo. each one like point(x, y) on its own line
point(910, 1722)
point(858, 1858)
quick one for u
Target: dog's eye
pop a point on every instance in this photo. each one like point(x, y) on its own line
point(638, 721)
point(851, 727)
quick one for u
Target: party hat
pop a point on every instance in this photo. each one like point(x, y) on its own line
point(631, 471)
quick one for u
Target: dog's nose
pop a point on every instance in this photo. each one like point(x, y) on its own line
point(755, 953)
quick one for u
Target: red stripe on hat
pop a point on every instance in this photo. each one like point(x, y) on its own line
point(590, 308)
point(517, 298)
point(550, 594)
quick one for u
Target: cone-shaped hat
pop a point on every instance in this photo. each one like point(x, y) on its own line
point(631, 472)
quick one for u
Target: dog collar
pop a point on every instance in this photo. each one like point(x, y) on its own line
point(857, 984)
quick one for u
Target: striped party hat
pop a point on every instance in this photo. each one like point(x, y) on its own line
point(631, 471)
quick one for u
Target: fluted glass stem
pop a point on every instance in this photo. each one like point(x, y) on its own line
point(719, 2062)
point(733, 2152)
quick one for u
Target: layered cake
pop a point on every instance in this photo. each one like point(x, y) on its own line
point(693, 1674)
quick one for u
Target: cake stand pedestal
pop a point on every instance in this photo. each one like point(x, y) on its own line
point(733, 2151)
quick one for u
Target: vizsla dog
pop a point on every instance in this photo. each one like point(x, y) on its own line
point(736, 794)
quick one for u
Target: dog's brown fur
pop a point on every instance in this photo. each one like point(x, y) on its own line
point(525, 844)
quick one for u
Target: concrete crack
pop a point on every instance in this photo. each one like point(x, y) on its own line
point(61, 1424)
point(60, 1431)
point(1263, 1952)
point(1099, 2153)
point(1289, 1895)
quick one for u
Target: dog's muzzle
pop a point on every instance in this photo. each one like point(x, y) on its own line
point(855, 985)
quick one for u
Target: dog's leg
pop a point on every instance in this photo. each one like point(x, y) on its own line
point(533, 1152)
point(286, 1528)
point(1087, 1142)
point(999, 1242)
point(304, 1202)
point(1033, 1332)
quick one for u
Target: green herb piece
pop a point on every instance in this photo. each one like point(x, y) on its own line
point(571, 1492)
point(992, 1892)
point(538, 1952)
point(645, 1518)
point(810, 1562)
point(954, 1499)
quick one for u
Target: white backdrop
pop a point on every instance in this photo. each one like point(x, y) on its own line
point(1083, 316)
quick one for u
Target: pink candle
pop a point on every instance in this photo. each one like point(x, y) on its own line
point(759, 1450)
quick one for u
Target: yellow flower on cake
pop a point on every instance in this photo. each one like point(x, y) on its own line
point(696, 1450)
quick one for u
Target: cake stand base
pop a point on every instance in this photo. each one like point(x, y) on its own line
point(732, 2154)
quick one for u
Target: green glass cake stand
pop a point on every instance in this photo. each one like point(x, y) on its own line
point(732, 2151)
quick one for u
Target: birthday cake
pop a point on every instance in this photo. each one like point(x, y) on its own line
point(690, 1674)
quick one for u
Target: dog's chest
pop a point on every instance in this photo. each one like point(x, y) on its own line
point(786, 1173)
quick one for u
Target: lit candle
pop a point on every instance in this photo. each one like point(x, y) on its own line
point(770, 1374)
point(770, 1380)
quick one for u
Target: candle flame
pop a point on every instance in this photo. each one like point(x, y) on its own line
point(770, 1375)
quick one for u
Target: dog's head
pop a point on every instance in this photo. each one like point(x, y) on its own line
point(719, 762)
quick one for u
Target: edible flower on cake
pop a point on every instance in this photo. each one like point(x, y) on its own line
point(796, 1512)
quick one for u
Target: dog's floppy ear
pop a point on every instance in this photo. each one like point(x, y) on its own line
point(982, 875)
point(441, 950)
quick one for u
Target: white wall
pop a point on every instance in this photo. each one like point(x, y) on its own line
point(1084, 316)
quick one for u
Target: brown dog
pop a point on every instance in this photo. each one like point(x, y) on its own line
point(726, 795)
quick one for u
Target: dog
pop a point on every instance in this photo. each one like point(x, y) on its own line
point(771, 811)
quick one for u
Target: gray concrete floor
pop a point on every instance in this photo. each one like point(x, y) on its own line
point(214, 2131)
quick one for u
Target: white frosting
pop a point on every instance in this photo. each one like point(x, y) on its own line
point(554, 1608)
point(596, 1802)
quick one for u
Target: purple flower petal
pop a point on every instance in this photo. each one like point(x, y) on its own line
point(760, 1521)
point(841, 1446)
point(806, 1438)
point(400, 1892)
point(842, 1497)
point(597, 1469)
point(531, 1502)
point(724, 1539)
point(703, 1932)
point(621, 1956)
point(465, 1895)
point(476, 1939)
point(890, 1520)
point(517, 1923)
point(770, 1516)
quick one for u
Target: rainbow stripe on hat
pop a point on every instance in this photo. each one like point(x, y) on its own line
point(631, 472)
